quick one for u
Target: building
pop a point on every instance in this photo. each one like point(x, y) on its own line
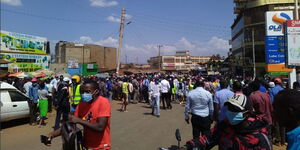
point(67, 53)
point(255, 30)
point(181, 61)
point(23, 53)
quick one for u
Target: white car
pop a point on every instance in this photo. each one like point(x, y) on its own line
point(14, 104)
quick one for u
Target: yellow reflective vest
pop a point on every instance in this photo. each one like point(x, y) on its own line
point(75, 97)
point(125, 87)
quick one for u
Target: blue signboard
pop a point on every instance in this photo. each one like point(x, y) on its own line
point(275, 49)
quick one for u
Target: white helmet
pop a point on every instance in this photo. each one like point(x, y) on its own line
point(67, 79)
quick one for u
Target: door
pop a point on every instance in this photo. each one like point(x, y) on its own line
point(20, 107)
point(5, 104)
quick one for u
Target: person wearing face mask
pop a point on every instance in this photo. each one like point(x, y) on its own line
point(242, 128)
point(93, 113)
point(33, 95)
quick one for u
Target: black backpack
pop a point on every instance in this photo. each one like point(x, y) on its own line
point(71, 136)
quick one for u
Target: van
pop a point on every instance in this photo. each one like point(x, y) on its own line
point(14, 104)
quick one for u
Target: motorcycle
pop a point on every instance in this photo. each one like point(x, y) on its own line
point(178, 138)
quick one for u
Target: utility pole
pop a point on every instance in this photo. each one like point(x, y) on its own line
point(120, 39)
point(126, 59)
point(159, 59)
point(253, 52)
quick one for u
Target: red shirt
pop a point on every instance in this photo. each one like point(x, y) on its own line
point(262, 105)
point(99, 108)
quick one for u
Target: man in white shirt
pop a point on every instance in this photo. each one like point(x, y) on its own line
point(54, 82)
point(130, 90)
point(27, 85)
point(165, 87)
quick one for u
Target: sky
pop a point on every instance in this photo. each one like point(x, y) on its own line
point(200, 26)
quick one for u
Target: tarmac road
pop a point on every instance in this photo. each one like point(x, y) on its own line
point(133, 130)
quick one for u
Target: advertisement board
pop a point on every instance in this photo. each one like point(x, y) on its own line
point(275, 41)
point(73, 63)
point(275, 21)
point(22, 43)
point(293, 42)
point(25, 62)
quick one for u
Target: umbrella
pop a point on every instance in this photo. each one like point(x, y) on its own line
point(18, 75)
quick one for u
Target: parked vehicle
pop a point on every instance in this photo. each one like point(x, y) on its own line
point(14, 104)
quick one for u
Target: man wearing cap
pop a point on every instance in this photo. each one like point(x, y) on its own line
point(278, 87)
point(33, 95)
point(242, 129)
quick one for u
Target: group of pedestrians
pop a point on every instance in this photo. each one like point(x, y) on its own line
point(244, 115)
point(233, 113)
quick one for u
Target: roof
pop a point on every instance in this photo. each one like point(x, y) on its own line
point(4, 85)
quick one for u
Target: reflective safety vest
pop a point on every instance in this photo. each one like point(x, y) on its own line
point(125, 88)
point(75, 97)
point(191, 87)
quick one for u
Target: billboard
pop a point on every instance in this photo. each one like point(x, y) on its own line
point(275, 41)
point(22, 43)
point(275, 21)
point(293, 42)
point(73, 63)
point(25, 62)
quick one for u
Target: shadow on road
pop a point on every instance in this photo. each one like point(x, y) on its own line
point(147, 113)
point(14, 123)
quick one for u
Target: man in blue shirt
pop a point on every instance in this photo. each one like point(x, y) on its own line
point(220, 98)
point(278, 87)
point(200, 104)
point(33, 95)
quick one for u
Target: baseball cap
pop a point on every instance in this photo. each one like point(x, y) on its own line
point(271, 84)
point(239, 101)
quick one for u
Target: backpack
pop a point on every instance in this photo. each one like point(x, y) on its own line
point(71, 136)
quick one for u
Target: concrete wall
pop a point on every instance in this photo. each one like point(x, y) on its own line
point(58, 67)
point(105, 57)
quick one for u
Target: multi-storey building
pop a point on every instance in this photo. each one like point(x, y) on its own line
point(67, 52)
point(181, 61)
point(251, 19)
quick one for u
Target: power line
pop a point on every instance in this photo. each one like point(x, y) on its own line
point(51, 18)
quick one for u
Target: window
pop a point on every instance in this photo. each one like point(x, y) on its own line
point(16, 96)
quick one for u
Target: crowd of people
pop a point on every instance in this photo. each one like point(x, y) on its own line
point(231, 112)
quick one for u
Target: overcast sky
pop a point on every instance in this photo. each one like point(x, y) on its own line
point(200, 26)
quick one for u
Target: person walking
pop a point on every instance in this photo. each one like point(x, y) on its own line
point(109, 87)
point(165, 88)
point(262, 105)
point(74, 92)
point(43, 103)
point(63, 103)
point(125, 95)
point(200, 104)
point(155, 96)
point(33, 95)
point(220, 98)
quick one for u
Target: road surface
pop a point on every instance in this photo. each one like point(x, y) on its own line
point(133, 130)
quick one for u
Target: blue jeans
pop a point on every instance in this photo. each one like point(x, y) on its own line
point(61, 111)
point(156, 105)
point(110, 93)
